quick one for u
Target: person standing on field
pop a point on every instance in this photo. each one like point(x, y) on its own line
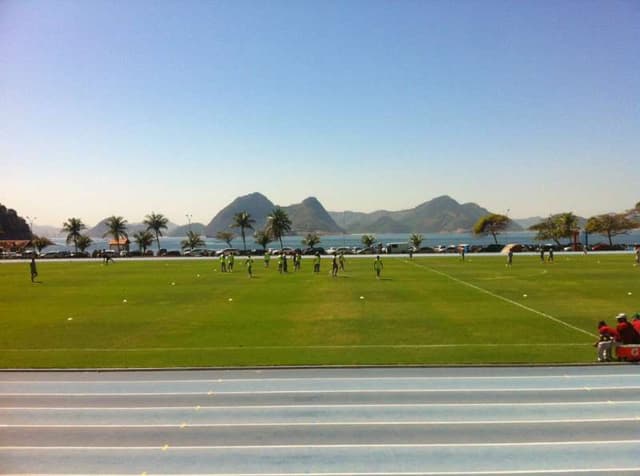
point(377, 265)
point(230, 260)
point(249, 265)
point(34, 269)
point(341, 261)
point(550, 255)
point(542, 254)
point(510, 257)
point(267, 258)
point(316, 263)
point(223, 263)
point(334, 266)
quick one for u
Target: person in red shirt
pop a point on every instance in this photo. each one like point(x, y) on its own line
point(608, 336)
point(628, 335)
point(636, 322)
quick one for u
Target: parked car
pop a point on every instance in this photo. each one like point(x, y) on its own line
point(440, 248)
point(286, 250)
point(196, 252)
point(424, 249)
point(228, 251)
point(367, 251)
point(492, 248)
point(173, 253)
point(607, 247)
point(395, 248)
point(313, 251)
point(339, 249)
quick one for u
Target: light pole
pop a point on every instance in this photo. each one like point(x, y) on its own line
point(31, 220)
point(188, 215)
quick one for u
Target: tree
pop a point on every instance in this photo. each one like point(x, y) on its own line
point(311, 240)
point(368, 240)
point(156, 222)
point(243, 221)
point(84, 242)
point(193, 240)
point(492, 224)
point(278, 224)
point(556, 227)
point(226, 236)
point(40, 242)
point(73, 226)
point(262, 238)
point(144, 239)
point(117, 228)
point(610, 225)
point(416, 240)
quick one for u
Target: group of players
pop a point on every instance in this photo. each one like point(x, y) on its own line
point(624, 333)
point(227, 262)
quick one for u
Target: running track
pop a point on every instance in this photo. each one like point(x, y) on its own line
point(371, 421)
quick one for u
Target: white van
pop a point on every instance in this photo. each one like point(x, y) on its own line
point(392, 248)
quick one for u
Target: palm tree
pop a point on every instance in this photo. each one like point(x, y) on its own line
point(117, 227)
point(193, 240)
point(278, 224)
point(73, 226)
point(83, 242)
point(143, 239)
point(226, 236)
point(243, 221)
point(262, 238)
point(492, 224)
point(311, 240)
point(416, 240)
point(156, 222)
point(368, 240)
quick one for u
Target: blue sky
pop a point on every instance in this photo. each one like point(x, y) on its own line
point(113, 107)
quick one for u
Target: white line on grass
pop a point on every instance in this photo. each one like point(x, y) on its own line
point(322, 423)
point(510, 301)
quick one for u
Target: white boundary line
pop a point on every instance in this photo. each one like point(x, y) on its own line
point(337, 405)
point(335, 446)
point(319, 391)
point(510, 301)
point(325, 423)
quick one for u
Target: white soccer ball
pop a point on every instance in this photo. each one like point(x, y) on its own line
point(69, 318)
point(173, 284)
point(629, 293)
point(124, 301)
point(361, 297)
point(524, 295)
point(230, 299)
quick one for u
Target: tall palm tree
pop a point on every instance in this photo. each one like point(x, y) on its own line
point(262, 238)
point(243, 221)
point(416, 240)
point(193, 240)
point(156, 222)
point(311, 240)
point(117, 227)
point(73, 227)
point(143, 239)
point(368, 240)
point(278, 224)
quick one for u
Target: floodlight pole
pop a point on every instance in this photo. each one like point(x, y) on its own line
point(188, 215)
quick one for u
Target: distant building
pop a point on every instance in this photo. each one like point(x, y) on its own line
point(122, 244)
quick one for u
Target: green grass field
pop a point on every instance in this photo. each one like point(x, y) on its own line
point(434, 310)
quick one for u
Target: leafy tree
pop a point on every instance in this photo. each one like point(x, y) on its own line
point(73, 227)
point(610, 225)
point(416, 240)
point(262, 238)
point(368, 240)
point(556, 227)
point(117, 228)
point(492, 224)
point(278, 224)
point(41, 242)
point(156, 222)
point(83, 242)
point(144, 239)
point(226, 236)
point(311, 240)
point(243, 221)
point(193, 240)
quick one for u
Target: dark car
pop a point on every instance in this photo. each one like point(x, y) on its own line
point(492, 248)
point(607, 247)
point(313, 251)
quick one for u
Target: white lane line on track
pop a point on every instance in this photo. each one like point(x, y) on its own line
point(335, 446)
point(505, 472)
point(302, 347)
point(319, 391)
point(502, 298)
point(338, 379)
point(331, 423)
point(336, 405)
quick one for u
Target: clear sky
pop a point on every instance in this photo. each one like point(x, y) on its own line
point(115, 107)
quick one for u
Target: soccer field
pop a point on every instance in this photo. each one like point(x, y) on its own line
point(432, 310)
